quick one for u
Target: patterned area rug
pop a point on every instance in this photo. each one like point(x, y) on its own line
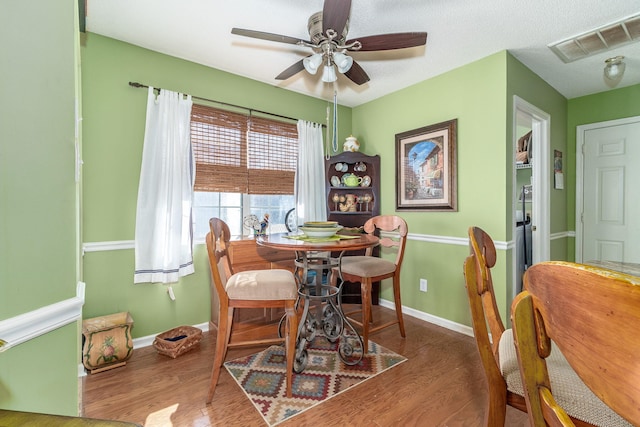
point(262, 377)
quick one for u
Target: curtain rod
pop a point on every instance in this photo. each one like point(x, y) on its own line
point(251, 110)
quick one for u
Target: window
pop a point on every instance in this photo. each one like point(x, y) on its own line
point(244, 165)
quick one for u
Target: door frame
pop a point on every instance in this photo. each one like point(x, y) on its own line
point(540, 139)
point(580, 138)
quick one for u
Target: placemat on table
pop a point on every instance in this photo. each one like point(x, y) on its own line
point(333, 238)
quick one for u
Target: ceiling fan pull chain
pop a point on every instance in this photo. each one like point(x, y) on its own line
point(335, 122)
point(327, 154)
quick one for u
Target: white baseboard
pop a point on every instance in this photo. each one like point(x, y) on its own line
point(439, 321)
point(448, 324)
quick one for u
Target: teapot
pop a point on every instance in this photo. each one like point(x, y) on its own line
point(351, 180)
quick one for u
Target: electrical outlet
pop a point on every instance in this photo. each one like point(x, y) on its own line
point(423, 285)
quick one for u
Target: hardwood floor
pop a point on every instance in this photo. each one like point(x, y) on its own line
point(441, 384)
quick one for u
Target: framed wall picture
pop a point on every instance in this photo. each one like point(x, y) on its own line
point(426, 168)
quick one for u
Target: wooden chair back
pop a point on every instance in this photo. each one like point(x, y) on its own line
point(484, 251)
point(392, 232)
point(488, 327)
point(388, 224)
point(218, 246)
point(593, 316)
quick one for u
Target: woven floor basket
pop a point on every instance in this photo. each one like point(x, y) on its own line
point(177, 341)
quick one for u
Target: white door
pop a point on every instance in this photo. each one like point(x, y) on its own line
point(610, 216)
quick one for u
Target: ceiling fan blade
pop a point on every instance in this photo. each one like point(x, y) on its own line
point(294, 69)
point(390, 41)
point(335, 14)
point(357, 74)
point(267, 36)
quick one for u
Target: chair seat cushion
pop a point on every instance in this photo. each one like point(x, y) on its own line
point(367, 266)
point(568, 389)
point(276, 284)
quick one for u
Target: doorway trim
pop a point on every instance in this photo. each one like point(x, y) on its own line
point(541, 127)
point(580, 132)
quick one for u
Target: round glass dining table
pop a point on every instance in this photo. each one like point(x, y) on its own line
point(317, 261)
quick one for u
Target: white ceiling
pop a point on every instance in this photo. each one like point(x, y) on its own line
point(459, 32)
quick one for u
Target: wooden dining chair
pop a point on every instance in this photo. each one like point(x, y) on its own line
point(496, 344)
point(593, 316)
point(275, 288)
point(367, 269)
point(489, 331)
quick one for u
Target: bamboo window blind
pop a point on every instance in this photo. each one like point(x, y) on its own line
point(239, 153)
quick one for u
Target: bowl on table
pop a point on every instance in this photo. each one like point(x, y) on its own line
point(321, 224)
point(326, 231)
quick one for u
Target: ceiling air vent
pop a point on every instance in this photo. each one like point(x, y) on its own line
point(598, 40)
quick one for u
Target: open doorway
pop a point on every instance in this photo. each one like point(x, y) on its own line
point(524, 197)
point(532, 198)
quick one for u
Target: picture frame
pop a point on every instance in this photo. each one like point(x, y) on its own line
point(426, 168)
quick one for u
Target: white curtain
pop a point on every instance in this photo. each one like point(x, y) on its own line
point(163, 245)
point(311, 204)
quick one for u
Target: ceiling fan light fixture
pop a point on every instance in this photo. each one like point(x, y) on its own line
point(329, 74)
point(342, 61)
point(312, 63)
point(328, 30)
point(614, 69)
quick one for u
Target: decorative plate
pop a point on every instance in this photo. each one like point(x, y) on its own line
point(366, 181)
point(335, 181)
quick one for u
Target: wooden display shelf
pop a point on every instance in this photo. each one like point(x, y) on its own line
point(368, 213)
point(354, 219)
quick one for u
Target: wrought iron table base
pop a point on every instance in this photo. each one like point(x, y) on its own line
point(328, 318)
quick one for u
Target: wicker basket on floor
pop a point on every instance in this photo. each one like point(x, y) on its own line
point(177, 341)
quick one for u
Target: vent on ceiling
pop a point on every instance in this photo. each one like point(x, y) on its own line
point(598, 40)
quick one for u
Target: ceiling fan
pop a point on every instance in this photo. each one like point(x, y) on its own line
point(328, 33)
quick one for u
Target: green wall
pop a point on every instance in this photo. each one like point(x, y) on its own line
point(113, 121)
point(39, 198)
point(474, 95)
